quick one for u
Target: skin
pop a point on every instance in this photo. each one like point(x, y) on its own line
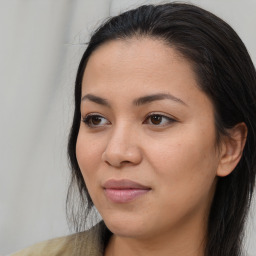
point(177, 159)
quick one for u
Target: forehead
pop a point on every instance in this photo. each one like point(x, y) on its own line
point(139, 66)
point(146, 49)
point(135, 54)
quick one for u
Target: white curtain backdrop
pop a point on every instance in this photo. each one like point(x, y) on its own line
point(41, 42)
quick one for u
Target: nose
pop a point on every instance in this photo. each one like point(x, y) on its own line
point(122, 148)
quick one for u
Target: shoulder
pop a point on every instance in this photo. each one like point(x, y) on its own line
point(87, 242)
point(50, 247)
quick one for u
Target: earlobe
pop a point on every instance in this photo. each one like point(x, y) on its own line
point(232, 149)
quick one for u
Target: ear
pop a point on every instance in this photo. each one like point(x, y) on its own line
point(232, 149)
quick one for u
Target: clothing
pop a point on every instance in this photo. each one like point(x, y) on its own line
point(87, 243)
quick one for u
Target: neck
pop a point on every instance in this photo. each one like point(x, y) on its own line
point(183, 241)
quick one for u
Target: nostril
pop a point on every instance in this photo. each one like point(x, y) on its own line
point(122, 156)
point(125, 162)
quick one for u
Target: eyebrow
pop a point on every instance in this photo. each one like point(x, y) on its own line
point(137, 102)
point(95, 99)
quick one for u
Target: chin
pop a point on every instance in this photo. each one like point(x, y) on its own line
point(126, 227)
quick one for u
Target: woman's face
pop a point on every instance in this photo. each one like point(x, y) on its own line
point(146, 122)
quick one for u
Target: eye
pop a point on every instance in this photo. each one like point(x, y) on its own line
point(159, 120)
point(93, 120)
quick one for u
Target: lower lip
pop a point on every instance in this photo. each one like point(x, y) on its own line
point(124, 195)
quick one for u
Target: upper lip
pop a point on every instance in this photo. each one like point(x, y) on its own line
point(123, 184)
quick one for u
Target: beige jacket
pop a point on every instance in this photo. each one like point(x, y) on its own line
point(88, 243)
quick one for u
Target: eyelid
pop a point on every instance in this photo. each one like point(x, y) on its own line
point(171, 119)
point(161, 114)
point(86, 120)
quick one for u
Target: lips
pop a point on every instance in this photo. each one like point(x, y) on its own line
point(123, 191)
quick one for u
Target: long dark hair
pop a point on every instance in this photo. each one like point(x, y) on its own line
point(224, 72)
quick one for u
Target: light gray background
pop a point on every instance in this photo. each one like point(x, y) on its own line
point(41, 42)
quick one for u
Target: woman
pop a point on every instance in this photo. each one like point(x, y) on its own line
point(163, 137)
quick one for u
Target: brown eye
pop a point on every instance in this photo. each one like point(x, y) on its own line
point(156, 119)
point(159, 120)
point(95, 121)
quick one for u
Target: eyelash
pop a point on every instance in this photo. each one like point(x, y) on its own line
point(88, 119)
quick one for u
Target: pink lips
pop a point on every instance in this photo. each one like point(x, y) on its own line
point(122, 191)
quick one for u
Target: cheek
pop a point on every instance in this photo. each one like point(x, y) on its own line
point(186, 163)
point(88, 152)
